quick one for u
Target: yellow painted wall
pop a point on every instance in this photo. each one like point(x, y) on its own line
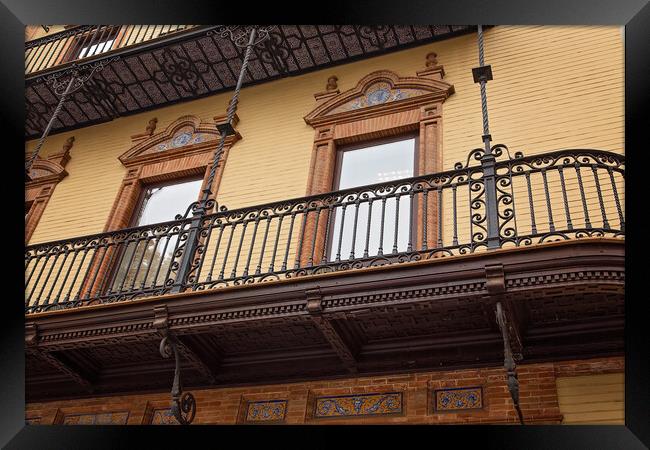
point(555, 87)
point(592, 399)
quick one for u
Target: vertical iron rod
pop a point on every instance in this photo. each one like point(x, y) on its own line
point(46, 132)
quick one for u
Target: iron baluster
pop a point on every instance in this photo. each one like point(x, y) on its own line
point(439, 206)
point(275, 245)
point(531, 205)
point(618, 202)
point(341, 228)
point(225, 256)
point(216, 250)
point(326, 242)
point(600, 196)
point(425, 211)
point(233, 274)
point(252, 246)
point(396, 223)
point(258, 269)
point(549, 209)
point(286, 253)
point(455, 220)
point(365, 250)
point(409, 245)
point(150, 263)
point(303, 229)
point(582, 195)
point(567, 212)
point(380, 251)
point(354, 227)
point(310, 262)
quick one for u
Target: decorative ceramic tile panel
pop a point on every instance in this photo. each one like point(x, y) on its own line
point(185, 136)
point(359, 405)
point(458, 399)
point(111, 418)
point(377, 94)
point(266, 411)
point(163, 416)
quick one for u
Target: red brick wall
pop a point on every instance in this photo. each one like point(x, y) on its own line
point(538, 397)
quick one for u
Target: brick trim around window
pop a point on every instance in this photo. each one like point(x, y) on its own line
point(185, 148)
point(382, 104)
point(42, 178)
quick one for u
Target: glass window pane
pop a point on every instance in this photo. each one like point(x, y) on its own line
point(163, 203)
point(369, 165)
point(144, 262)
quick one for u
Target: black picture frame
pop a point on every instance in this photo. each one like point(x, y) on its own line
point(633, 14)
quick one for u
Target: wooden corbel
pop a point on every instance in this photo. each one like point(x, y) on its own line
point(340, 347)
point(31, 348)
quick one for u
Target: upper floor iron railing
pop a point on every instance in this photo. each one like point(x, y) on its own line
point(501, 201)
point(86, 41)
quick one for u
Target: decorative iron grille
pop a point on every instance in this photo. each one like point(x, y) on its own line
point(553, 196)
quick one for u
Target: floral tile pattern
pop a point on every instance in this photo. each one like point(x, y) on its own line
point(266, 411)
point(377, 94)
point(163, 416)
point(111, 418)
point(455, 399)
point(359, 405)
point(185, 136)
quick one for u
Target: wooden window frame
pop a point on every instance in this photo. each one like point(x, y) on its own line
point(137, 210)
point(358, 146)
point(146, 165)
point(341, 119)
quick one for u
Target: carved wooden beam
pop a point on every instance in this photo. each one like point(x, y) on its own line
point(31, 341)
point(161, 323)
point(514, 312)
point(314, 306)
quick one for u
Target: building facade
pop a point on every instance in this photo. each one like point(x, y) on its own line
point(343, 248)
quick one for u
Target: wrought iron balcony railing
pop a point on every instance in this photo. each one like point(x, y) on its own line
point(87, 41)
point(500, 202)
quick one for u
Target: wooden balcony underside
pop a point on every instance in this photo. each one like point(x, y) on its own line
point(565, 300)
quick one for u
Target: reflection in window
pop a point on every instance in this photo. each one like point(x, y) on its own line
point(372, 164)
point(97, 41)
point(146, 257)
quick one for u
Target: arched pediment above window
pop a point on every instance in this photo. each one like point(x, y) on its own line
point(379, 93)
point(186, 135)
point(45, 169)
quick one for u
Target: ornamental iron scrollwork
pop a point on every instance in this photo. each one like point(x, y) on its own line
point(337, 231)
point(183, 405)
point(79, 73)
point(240, 34)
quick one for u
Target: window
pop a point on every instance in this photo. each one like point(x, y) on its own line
point(96, 41)
point(370, 163)
point(144, 262)
point(28, 207)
